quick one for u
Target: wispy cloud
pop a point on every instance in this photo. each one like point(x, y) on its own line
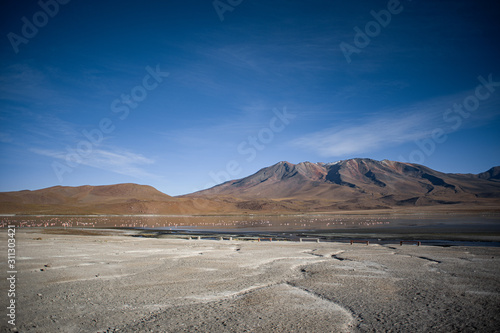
point(371, 135)
point(394, 127)
point(51, 127)
point(115, 160)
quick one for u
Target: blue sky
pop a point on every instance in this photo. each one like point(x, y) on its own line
point(181, 95)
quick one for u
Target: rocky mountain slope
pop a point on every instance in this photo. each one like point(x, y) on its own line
point(363, 183)
point(353, 184)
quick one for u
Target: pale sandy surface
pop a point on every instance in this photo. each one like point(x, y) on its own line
point(74, 283)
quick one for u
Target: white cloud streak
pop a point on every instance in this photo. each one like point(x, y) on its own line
point(114, 160)
point(391, 128)
point(366, 137)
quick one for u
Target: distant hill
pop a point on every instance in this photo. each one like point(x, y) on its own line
point(107, 199)
point(81, 199)
point(354, 184)
point(86, 194)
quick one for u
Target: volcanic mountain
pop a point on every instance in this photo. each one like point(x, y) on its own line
point(354, 184)
point(363, 184)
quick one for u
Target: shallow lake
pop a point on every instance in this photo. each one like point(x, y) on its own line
point(439, 224)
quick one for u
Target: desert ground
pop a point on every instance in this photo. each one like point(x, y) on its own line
point(109, 281)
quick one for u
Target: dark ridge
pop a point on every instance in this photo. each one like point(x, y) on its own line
point(437, 181)
point(370, 175)
point(487, 195)
point(411, 170)
point(334, 176)
point(491, 174)
point(410, 201)
point(427, 186)
point(445, 202)
point(289, 175)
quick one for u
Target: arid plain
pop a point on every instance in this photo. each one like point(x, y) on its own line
point(109, 281)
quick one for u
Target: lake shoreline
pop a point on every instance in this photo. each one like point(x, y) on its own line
point(306, 236)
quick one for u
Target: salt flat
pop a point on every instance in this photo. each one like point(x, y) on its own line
point(114, 282)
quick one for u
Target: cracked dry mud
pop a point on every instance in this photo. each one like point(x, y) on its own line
point(117, 283)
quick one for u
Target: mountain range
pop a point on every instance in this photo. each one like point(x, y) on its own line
point(354, 184)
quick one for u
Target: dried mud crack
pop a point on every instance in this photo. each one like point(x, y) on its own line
point(117, 283)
